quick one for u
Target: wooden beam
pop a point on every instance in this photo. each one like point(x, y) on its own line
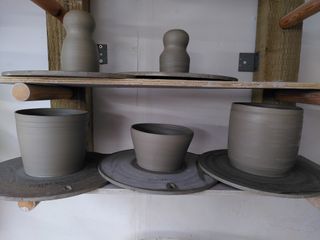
point(29, 92)
point(279, 50)
point(293, 96)
point(52, 7)
point(297, 15)
point(82, 96)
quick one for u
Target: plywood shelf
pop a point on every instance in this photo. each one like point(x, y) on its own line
point(156, 83)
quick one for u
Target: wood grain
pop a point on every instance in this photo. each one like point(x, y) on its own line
point(157, 83)
point(28, 92)
point(294, 96)
point(52, 7)
point(279, 50)
point(297, 15)
point(27, 206)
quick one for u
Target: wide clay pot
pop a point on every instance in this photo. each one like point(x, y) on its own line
point(52, 141)
point(160, 147)
point(264, 139)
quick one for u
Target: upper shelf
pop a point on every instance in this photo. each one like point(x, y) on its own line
point(160, 83)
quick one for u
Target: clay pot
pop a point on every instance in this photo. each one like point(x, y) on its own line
point(264, 139)
point(52, 141)
point(174, 57)
point(160, 147)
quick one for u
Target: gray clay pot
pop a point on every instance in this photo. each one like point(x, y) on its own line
point(174, 57)
point(79, 51)
point(160, 147)
point(52, 141)
point(264, 139)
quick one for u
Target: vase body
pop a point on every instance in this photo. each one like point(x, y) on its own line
point(79, 51)
point(174, 57)
point(264, 139)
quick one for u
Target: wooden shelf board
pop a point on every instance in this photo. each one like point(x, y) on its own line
point(156, 83)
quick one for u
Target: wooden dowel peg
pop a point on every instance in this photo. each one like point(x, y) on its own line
point(307, 97)
point(26, 92)
point(27, 206)
point(53, 7)
point(299, 14)
point(315, 201)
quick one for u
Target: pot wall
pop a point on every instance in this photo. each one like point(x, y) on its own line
point(264, 139)
point(52, 141)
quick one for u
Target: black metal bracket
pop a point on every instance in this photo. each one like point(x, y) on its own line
point(248, 62)
point(103, 53)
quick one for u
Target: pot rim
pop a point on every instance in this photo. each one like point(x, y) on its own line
point(162, 129)
point(50, 112)
point(266, 107)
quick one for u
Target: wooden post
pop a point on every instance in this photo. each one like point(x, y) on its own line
point(279, 50)
point(82, 98)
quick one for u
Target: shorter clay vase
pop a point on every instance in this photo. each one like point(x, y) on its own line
point(264, 139)
point(160, 147)
point(52, 141)
point(174, 57)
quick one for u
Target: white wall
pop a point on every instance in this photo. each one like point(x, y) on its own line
point(219, 30)
point(22, 46)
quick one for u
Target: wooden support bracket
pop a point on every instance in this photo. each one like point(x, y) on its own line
point(27, 206)
point(299, 14)
point(52, 7)
point(315, 201)
point(293, 96)
point(28, 92)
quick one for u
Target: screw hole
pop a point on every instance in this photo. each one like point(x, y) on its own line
point(171, 186)
point(68, 188)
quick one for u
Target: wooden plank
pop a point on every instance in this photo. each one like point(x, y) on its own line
point(299, 14)
point(279, 49)
point(294, 96)
point(157, 83)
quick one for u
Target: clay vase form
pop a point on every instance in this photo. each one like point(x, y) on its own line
point(174, 57)
point(160, 147)
point(52, 141)
point(79, 51)
point(264, 139)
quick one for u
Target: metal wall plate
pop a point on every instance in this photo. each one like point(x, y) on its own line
point(103, 53)
point(248, 62)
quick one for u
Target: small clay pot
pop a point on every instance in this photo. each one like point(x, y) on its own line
point(160, 147)
point(52, 141)
point(264, 139)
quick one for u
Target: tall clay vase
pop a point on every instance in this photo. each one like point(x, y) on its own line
point(160, 147)
point(52, 141)
point(79, 51)
point(174, 57)
point(264, 139)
